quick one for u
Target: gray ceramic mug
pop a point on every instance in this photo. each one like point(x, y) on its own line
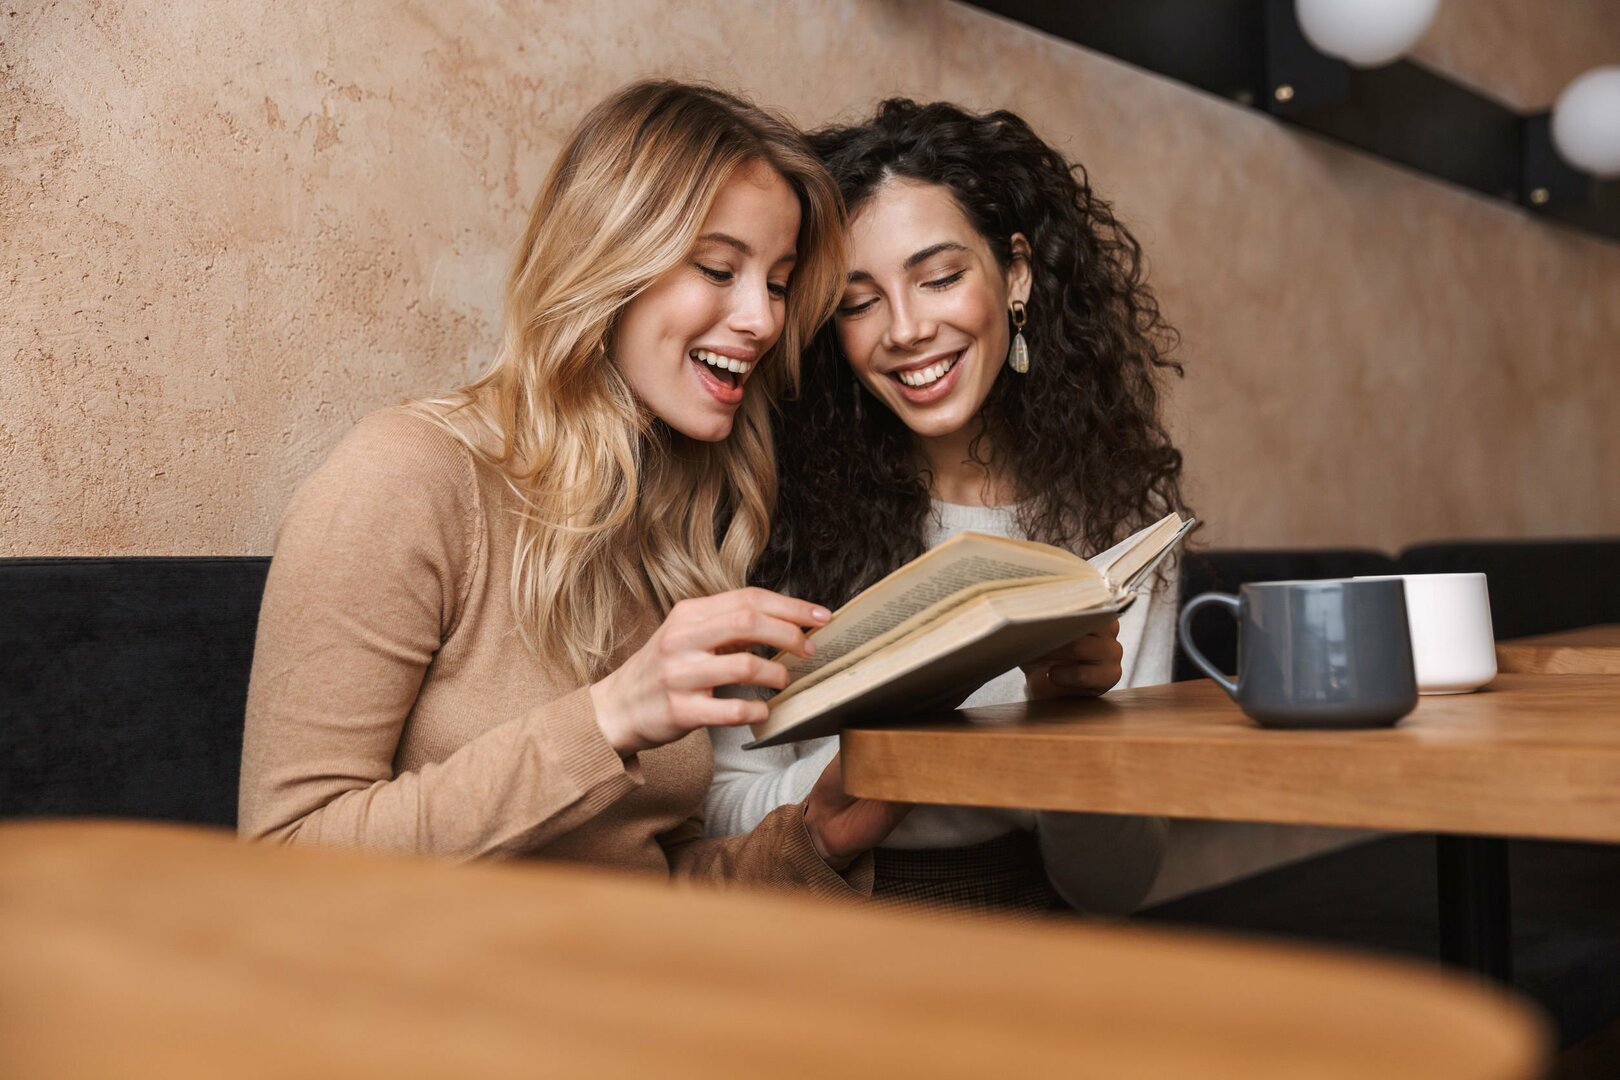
point(1316, 654)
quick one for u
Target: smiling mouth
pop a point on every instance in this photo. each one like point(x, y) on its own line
point(928, 376)
point(728, 370)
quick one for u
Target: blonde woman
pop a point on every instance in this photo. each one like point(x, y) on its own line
point(494, 621)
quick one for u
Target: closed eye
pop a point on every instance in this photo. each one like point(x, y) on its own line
point(856, 309)
point(778, 289)
point(718, 276)
point(944, 282)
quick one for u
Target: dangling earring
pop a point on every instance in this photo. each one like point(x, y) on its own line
point(1018, 355)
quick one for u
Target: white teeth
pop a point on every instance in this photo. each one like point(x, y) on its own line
point(741, 367)
point(929, 375)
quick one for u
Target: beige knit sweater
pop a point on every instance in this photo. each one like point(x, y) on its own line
point(393, 705)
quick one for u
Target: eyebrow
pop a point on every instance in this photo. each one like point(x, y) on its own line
point(732, 242)
point(729, 241)
point(919, 257)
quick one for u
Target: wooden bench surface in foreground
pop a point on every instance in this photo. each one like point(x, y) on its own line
point(159, 951)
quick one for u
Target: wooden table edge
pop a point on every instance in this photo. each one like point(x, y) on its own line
point(1349, 780)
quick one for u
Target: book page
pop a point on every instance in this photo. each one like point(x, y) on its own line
point(941, 580)
point(1129, 560)
point(960, 649)
point(884, 624)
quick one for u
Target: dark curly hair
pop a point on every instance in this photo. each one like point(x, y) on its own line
point(1080, 433)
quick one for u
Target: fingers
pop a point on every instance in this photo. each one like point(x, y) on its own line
point(665, 690)
point(1074, 679)
point(802, 612)
point(704, 711)
point(741, 628)
point(744, 618)
point(787, 608)
point(841, 826)
point(1084, 678)
point(1089, 666)
point(1091, 649)
point(703, 671)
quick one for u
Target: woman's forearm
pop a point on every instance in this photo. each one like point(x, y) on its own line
point(512, 789)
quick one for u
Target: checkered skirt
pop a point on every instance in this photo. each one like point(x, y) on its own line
point(1001, 876)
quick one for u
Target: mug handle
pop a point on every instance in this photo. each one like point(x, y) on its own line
point(1184, 634)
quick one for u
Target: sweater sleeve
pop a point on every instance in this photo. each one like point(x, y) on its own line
point(373, 561)
point(777, 852)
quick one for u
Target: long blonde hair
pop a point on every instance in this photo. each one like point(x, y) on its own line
point(617, 511)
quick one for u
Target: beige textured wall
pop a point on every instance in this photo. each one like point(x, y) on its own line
point(1521, 53)
point(227, 231)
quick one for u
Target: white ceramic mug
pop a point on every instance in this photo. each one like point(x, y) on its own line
point(1453, 647)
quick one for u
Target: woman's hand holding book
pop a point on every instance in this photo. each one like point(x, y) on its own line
point(1087, 667)
point(666, 689)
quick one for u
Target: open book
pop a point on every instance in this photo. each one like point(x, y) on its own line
point(950, 620)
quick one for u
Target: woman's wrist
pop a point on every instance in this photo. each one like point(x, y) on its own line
point(608, 719)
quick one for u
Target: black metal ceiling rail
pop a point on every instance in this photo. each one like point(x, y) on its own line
point(1253, 53)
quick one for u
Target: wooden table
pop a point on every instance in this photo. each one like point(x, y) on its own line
point(1591, 650)
point(159, 951)
point(1530, 756)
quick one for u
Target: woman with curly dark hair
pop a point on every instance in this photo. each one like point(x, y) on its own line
point(993, 365)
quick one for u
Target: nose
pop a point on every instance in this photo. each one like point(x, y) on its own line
point(753, 313)
point(907, 328)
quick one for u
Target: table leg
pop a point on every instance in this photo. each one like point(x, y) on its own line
point(1476, 923)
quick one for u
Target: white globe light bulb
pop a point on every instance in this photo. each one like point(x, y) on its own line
point(1586, 122)
point(1366, 33)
